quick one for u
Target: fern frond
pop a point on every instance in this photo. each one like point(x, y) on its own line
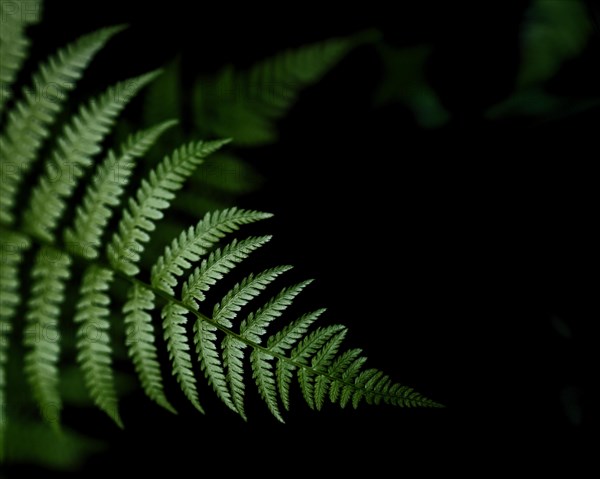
point(14, 45)
point(77, 145)
point(141, 343)
point(223, 343)
point(28, 123)
point(13, 247)
point(93, 341)
point(196, 242)
point(42, 334)
point(105, 190)
point(174, 320)
point(154, 195)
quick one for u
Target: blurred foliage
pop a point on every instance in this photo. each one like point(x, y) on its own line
point(553, 33)
point(34, 442)
point(244, 104)
point(404, 82)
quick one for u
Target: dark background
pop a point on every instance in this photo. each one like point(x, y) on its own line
point(455, 255)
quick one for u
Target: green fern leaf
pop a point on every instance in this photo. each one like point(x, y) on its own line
point(252, 329)
point(287, 338)
point(248, 103)
point(365, 378)
point(42, 335)
point(242, 293)
point(341, 364)
point(205, 337)
point(347, 382)
point(28, 123)
point(77, 145)
point(174, 321)
point(233, 361)
point(218, 265)
point(105, 190)
point(13, 247)
point(315, 388)
point(93, 341)
point(223, 313)
point(14, 45)
point(210, 271)
point(262, 369)
point(141, 343)
point(314, 357)
point(196, 242)
point(154, 195)
point(306, 348)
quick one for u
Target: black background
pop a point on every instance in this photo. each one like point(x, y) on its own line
point(447, 252)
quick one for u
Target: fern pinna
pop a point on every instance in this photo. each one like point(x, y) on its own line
point(58, 233)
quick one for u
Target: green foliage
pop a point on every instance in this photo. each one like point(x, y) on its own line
point(245, 104)
point(553, 33)
point(404, 82)
point(75, 250)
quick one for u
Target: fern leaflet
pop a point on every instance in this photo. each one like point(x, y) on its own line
point(14, 45)
point(140, 343)
point(174, 320)
point(93, 342)
point(13, 248)
point(42, 335)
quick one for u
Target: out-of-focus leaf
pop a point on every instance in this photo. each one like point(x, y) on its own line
point(405, 82)
point(245, 105)
point(163, 96)
point(34, 442)
point(535, 102)
point(229, 173)
point(555, 31)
